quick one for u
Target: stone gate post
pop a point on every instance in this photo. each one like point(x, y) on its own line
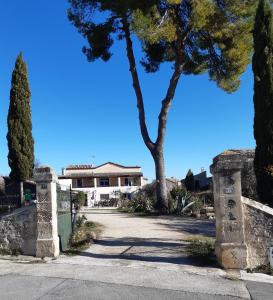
point(230, 246)
point(47, 244)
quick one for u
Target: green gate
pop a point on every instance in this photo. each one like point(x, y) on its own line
point(64, 215)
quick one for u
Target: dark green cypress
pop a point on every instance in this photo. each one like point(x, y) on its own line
point(263, 101)
point(189, 181)
point(20, 140)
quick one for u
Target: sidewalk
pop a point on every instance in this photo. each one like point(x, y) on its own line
point(56, 280)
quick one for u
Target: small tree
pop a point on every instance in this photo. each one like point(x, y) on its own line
point(80, 199)
point(20, 140)
point(194, 36)
point(263, 100)
point(189, 181)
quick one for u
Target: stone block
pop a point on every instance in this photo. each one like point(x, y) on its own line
point(232, 255)
point(44, 230)
point(47, 248)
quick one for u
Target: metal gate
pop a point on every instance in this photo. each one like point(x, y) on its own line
point(64, 210)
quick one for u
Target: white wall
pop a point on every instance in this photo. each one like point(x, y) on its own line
point(93, 194)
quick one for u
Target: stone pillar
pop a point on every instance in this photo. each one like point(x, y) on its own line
point(230, 246)
point(47, 244)
point(95, 182)
point(119, 183)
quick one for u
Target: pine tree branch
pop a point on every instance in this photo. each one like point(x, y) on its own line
point(136, 85)
point(178, 70)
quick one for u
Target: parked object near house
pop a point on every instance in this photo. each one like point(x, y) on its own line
point(103, 182)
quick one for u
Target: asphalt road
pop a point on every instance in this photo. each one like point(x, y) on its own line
point(15, 287)
point(260, 290)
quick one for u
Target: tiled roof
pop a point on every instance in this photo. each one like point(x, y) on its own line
point(96, 175)
point(91, 167)
point(79, 167)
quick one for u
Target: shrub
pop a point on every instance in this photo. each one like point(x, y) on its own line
point(265, 269)
point(201, 248)
point(141, 203)
point(80, 199)
point(81, 220)
point(197, 205)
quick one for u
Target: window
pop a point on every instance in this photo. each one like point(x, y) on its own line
point(128, 181)
point(87, 182)
point(104, 197)
point(79, 183)
point(104, 181)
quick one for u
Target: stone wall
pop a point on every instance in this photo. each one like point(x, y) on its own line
point(258, 223)
point(244, 228)
point(33, 230)
point(2, 185)
point(18, 231)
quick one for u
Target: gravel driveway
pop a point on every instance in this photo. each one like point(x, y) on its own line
point(149, 239)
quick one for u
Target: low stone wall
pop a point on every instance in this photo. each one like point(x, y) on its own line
point(258, 224)
point(18, 231)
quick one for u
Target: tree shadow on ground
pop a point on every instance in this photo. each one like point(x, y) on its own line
point(147, 250)
point(191, 226)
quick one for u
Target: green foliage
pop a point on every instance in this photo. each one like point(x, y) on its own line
point(197, 206)
point(189, 181)
point(200, 247)
point(141, 203)
point(80, 199)
point(83, 236)
point(263, 101)
point(150, 191)
point(81, 220)
point(265, 269)
point(20, 140)
point(194, 36)
point(208, 35)
point(178, 192)
point(13, 252)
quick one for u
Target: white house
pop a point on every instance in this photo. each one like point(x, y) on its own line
point(103, 182)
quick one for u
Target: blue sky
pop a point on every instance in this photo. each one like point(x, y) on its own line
point(86, 112)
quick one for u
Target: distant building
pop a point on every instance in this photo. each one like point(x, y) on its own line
point(103, 182)
point(201, 181)
point(172, 183)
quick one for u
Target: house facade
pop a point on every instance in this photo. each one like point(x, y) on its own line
point(103, 182)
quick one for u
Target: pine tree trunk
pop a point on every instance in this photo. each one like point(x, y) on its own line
point(156, 148)
point(161, 187)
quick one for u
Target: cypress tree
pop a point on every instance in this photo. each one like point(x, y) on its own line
point(20, 140)
point(189, 181)
point(263, 101)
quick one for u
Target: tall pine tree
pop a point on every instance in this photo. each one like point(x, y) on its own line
point(192, 36)
point(263, 101)
point(20, 140)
